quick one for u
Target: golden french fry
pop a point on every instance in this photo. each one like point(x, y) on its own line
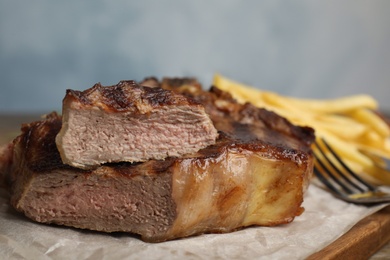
point(378, 151)
point(338, 105)
point(348, 133)
point(327, 106)
point(348, 124)
point(344, 149)
point(381, 176)
point(239, 91)
point(377, 158)
point(372, 140)
point(340, 126)
point(343, 121)
point(371, 119)
point(360, 171)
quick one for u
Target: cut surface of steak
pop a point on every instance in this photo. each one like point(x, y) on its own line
point(131, 123)
point(255, 174)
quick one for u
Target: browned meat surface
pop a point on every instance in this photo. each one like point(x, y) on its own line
point(120, 197)
point(255, 174)
point(6, 154)
point(127, 122)
point(226, 114)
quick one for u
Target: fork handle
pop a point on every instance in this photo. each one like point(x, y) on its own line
point(368, 200)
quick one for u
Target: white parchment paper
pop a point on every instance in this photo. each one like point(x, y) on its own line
point(324, 220)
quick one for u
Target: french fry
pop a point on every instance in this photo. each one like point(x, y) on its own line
point(348, 124)
point(374, 141)
point(371, 119)
point(339, 105)
point(346, 132)
point(239, 91)
point(381, 176)
point(345, 150)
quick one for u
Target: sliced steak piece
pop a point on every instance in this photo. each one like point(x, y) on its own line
point(131, 123)
point(255, 174)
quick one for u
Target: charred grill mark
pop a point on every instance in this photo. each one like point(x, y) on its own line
point(127, 94)
point(80, 95)
point(159, 96)
point(114, 96)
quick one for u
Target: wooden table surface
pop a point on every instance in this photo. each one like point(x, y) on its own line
point(369, 239)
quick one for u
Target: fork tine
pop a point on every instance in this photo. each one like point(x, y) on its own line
point(319, 173)
point(341, 180)
point(353, 174)
point(329, 168)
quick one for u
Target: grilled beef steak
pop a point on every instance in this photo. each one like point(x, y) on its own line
point(6, 154)
point(255, 174)
point(131, 123)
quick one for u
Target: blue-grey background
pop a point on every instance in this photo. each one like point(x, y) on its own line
point(319, 49)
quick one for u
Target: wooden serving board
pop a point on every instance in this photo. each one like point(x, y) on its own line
point(361, 242)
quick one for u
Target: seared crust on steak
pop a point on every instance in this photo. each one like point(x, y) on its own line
point(132, 123)
point(6, 154)
point(225, 111)
point(127, 95)
point(255, 174)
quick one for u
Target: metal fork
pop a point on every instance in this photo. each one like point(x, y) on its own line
point(341, 180)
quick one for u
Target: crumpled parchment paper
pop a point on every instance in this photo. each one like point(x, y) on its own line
point(324, 220)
